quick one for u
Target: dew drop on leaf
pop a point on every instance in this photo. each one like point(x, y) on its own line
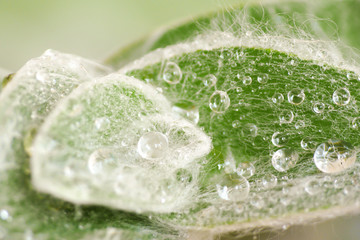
point(284, 159)
point(152, 145)
point(341, 97)
point(334, 156)
point(296, 96)
point(219, 101)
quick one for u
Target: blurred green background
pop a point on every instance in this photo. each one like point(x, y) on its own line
point(89, 28)
point(95, 29)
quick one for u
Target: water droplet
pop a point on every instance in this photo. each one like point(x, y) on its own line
point(296, 96)
point(277, 98)
point(236, 124)
point(308, 144)
point(42, 76)
point(101, 160)
point(249, 130)
point(286, 116)
point(319, 107)
point(209, 80)
point(152, 145)
point(341, 97)
point(172, 73)
point(102, 123)
point(245, 169)
point(219, 101)
point(187, 109)
point(269, 181)
point(247, 80)
point(355, 124)
point(233, 188)
point(284, 159)
point(279, 139)
point(334, 156)
point(263, 78)
point(313, 187)
point(183, 175)
point(300, 124)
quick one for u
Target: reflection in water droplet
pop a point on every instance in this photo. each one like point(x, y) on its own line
point(100, 160)
point(102, 123)
point(286, 116)
point(284, 159)
point(334, 156)
point(219, 101)
point(152, 145)
point(209, 80)
point(277, 98)
point(172, 73)
point(245, 169)
point(296, 96)
point(188, 110)
point(247, 80)
point(263, 78)
point(269, 181)
point(279, 139)
point(233, 187)
point(308, 144)
point(319, 107)
point(341, 97)
point(355, 124)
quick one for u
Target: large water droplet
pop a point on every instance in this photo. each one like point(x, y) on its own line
point(152, 145)
point(233, 188)
point(245, 169)
point(101, 159)
point(296, 96)
point(284, 159)
point(219, 101)
point(209, 80)
point(269, 181)
point(172, 73)
point(187, 109)
point(334, 156)
point(277, 98)
point(102, 123)
point(341, 97)
point(286, 116)
point(319, 107)
point(279, 139)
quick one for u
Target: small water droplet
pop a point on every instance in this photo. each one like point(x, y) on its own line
point(100, 160)
point(284, 159)
point(296, 96)
point(188, 110)
point(308, 144)
point(277, 98)
point(210, 80)
point(263, 78)
point(102, 123)
point(245, 169)
point(249, 130)
point(279, 139)
point(341, 97)
point(334, 156)
point(286, 116)
point(319, 107)
point(247, 80)
point(172, 73)
point(355, 124)
point(236, 124)
point(152, 145)
point(269, 181)
point(219, 101)
point(233, 188)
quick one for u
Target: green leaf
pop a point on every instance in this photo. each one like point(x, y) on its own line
point(328, 20)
